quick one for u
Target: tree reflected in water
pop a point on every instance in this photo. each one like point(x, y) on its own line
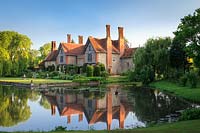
point(13, 106)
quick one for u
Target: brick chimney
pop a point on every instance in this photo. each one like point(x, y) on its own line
point(68, 38)
point(109, 50)
point(80, 39)
point(121, 41)
point(107, 31)
point(53, 45)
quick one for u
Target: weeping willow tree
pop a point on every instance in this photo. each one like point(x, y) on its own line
point(15, 53)
point(152, 60)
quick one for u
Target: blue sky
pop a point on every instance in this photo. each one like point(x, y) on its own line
point(46, 20)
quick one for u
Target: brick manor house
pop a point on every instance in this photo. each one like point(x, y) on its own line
point(114, 54)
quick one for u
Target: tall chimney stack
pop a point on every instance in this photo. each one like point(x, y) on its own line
point(107, 31)
point(80, 39)
point(68, 38)
point(109, 50)
point(121, 45)
point(53, 45)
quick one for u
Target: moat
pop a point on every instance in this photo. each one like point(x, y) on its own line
point(105, 108)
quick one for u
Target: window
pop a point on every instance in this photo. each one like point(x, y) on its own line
point(90, 48)
point(61, 58)
point(89, 57)
point(61, 51)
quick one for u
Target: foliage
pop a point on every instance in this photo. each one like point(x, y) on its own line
point(84, 67)
point(60, 128)
point(97, 70)
point(192, 78)
point(44, 102)
point(90, 71)
point(183, 80)
point(44, 50)
point(104, 74)
point(177, 55)
point(151, 61)
point(102, 66)
point(188, 35)
point(13, 106)
point(190, 114)
point(15, 53)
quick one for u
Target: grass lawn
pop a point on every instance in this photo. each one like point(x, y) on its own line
point(191, 126)
point(192, 94)
point(36, 81)
point(116, 79)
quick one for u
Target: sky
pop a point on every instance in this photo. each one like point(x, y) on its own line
point(46, 20)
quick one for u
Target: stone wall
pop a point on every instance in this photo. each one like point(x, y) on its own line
point(116, 69)
point(126, 64)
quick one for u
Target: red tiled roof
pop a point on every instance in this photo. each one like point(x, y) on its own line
point(128, 52)
point(72, 48)
point(52, 56)
point(99, 45)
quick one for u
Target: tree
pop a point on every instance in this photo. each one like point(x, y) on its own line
point(188, 35)
point(45, 50)
point(34, 58)
point(14, 48)
point(151, 60)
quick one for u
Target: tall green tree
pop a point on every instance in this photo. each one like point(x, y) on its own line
point(44, 50)
point(15, 53)
point(188, 35)
point(152, 61)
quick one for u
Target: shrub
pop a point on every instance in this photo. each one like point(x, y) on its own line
point(97, 70)
point(192, 78)
point(84, 67)
point(95, 78)
point(183, 80)
point(190, 114)
point(54, 73)
point(90, 71)
point(102, 66)
point(144, 75)
point(104, 74)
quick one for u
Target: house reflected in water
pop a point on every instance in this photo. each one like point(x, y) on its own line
point(97, 106)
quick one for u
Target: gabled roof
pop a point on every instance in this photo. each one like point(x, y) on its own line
point(52, 56)
point(128, 52)
point(99, 45)
point(72, 48)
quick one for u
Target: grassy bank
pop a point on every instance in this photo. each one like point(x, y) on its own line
point(191, 126)
point(110, 79)
point(35, 81)
point(192, 94)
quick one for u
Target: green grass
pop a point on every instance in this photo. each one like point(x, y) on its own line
point(192, 94)
point(116, 79)
point(191, 126)
point(36, 81)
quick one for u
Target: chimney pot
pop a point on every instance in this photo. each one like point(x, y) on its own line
point(107, 30)
point(68, 38)
point(80, 39)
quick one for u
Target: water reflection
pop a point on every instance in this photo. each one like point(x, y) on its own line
point(97, 106)
point(86, 108)
point(13, 106)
